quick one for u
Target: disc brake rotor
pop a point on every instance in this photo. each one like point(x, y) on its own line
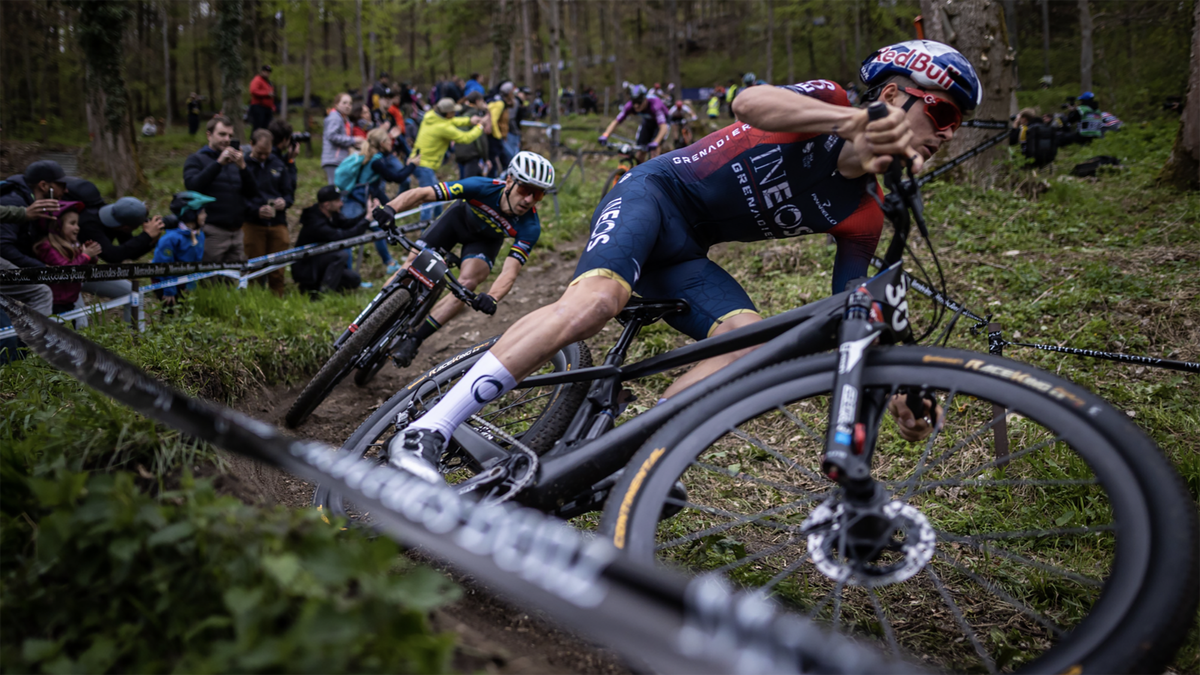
point(871, 546)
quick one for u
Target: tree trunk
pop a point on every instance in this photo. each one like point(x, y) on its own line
point(358, 39)
point(500, 33)
point(308, 48)
point(858, 55)
point(527, 40)
point(412, 40)
point(100, 29)
point(1010, 18)
point(615, 17)
point(576, 54)
point(812, 54)
point(673, 44)
point(976, 30)
point(283, 71)
point(1183, 167)
point(166, 60)
point(1046, 40)
point(552, 10)
point(228, 42)
point(1085, 46)
point(787, 37)
point(771, 41)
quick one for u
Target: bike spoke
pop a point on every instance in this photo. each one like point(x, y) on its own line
point(737, 519)
point(1007, 459)
point(937, 431)
point(1016, 482)
point(833, 592)
point(962, 621)
point(800, 423)
point(1033, 534)
point(746, 560)
point(887, 625)
point(1016, 557)
point(955, 448)
point(787, 572)
point(783, 487)
point(521, 400)
point(790, 464)
point(999, 593)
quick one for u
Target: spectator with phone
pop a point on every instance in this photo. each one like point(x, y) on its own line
point(37, 191)
point(219, 170)
point(266, 228)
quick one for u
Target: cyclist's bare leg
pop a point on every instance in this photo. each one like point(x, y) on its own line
point(579, 314)
point(709, 366)
point(471, 273)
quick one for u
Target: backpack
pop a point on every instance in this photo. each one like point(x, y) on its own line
point(354, 171)
point(1041, 144)
point(468, 152)
point(1089, 168)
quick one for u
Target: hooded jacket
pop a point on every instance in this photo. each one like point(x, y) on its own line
point(17, 239)
point(176, 246)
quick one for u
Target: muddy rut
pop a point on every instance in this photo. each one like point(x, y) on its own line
point(493, 634)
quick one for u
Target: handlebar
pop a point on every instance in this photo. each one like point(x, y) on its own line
point(396, 235)
point(903, 203)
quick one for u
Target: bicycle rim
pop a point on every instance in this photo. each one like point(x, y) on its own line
point(1078, 549)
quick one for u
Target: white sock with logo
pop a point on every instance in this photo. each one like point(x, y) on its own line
point(486, 381)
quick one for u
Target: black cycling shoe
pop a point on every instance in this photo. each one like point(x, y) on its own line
point(417, 451)
point(405, 351)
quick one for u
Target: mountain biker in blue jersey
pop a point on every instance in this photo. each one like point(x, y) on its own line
point(654, 127)
point(800, 160)
point(486, 212)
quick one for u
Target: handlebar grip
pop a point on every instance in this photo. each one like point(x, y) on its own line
point(877, 111)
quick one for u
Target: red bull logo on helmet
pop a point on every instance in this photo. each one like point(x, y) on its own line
point(920, 62)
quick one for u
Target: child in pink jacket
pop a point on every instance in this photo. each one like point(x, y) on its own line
point(61, 247)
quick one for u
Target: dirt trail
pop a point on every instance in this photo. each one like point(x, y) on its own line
point(493, 635)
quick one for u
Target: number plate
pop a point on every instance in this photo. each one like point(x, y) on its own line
point(428, 268)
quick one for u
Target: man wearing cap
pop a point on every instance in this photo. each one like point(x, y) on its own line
point(113, 225)
point(262, 99)
point(37, 191)
point(39, 297)
point(319, 224)
point(438, 130)
point(219, 171)
point(266, 212)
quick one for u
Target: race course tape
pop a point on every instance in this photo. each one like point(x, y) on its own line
point(83, 273)
point(663, 620)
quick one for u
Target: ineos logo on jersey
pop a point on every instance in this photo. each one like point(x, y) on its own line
point(605, 223)
point(486, 388)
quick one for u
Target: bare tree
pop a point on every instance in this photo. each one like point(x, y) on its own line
point(771, 41)
point(615, 17)
point(1085, 46)
point(100, 29)
point(977, 30)
point(1183, 167)
point(228, 43)
point(362, 63)
point(552, 9)
point(576, 53)
point(1046, 39)
point(673, 44)
point(527, 39)
point(283, 80)
point(308, 49)
point(166, 60)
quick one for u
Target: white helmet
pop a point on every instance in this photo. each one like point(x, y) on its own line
point(532, 168)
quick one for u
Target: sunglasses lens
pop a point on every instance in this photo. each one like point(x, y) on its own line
point(537, 192)
point(944, 115)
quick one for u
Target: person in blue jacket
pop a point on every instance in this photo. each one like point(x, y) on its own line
point(184, 243)
point(381, 166)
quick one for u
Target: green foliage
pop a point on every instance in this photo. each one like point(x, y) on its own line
point(112, 579)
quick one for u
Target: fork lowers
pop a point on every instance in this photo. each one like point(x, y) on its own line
point(845, 461)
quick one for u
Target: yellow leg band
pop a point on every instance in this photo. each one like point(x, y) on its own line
point(605, 274)
point(728, 316)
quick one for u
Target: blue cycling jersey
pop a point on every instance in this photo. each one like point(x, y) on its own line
point(483, 196)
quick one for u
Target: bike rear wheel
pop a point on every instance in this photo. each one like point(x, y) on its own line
point(339, 365)
point(536, 416)
point(1076, 554)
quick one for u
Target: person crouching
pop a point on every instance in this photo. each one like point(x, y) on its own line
point(183, 243)
point(319, 224)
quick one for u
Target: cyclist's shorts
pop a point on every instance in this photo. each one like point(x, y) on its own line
point(458, 225)
point(641, 240)
point(647, 130)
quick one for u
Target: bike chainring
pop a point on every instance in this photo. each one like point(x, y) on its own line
point(521, 469)
point(872, 545)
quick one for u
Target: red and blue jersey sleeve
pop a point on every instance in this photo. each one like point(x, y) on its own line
point(824, 90)
point(529, 229)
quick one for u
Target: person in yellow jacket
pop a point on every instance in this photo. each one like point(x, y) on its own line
point(500, 110)
point(730, 93)
point(438, 130)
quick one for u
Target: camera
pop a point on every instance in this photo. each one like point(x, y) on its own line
point(301, 137)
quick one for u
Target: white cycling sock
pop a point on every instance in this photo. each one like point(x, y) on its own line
point(486, 381)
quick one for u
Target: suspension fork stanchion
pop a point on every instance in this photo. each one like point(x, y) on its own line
point(845, 461)
point(999, 413)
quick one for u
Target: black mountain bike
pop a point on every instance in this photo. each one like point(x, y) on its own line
point(398, 308)
point(1071, 546)
point(628, 152)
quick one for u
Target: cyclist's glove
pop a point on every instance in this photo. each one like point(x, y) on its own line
point(652, 145)
point(384, 215)
point(484, 303)
point(603, 140)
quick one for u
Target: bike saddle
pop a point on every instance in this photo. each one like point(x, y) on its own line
point(649, 310)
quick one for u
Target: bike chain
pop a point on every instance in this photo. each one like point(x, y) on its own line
point(524, 481)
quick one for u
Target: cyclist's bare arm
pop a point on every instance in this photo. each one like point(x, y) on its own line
point(663, 130)
point(411, 198)
point(612, 126)
point(508, 276)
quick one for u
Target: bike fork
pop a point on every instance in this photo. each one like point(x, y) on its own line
point(850, 439)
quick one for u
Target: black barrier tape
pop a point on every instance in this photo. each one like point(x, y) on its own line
point(643, 612)
point(987, 124)
point(962, 158)
point(1184, 366)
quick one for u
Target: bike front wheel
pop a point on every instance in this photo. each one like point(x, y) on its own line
point(339, 365)
point(1074, 552)
point(614, 178)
